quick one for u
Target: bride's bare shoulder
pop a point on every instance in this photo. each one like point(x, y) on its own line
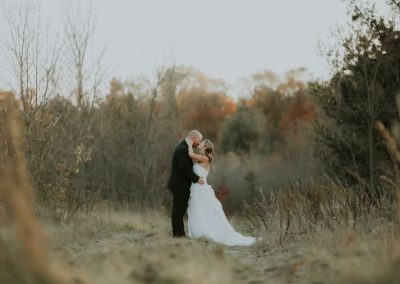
point(204, 165)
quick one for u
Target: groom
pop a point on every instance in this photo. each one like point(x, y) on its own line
point(180, 180)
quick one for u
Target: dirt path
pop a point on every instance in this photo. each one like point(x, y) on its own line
point(141, 252)
point(137, 257)
point(131, 256)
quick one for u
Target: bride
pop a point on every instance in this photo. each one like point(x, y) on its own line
point(206, 217)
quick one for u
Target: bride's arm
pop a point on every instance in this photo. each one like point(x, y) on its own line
point(194, 156)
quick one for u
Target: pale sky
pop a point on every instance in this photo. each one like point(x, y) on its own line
point(226, 39)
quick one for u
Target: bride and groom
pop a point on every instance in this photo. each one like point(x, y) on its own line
point(190, 190)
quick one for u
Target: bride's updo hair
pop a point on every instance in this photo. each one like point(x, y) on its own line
point(209, 148)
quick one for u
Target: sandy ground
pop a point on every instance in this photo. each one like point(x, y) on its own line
point(127, 254)
point(138, 249)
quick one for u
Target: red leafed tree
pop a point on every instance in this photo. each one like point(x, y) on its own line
point(204, 110)
point(287, 109)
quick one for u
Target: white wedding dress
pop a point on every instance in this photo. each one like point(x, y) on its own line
point(206, 217)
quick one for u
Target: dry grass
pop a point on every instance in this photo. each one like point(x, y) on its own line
point(126, 247)
point(328, 233)
point(314, 206)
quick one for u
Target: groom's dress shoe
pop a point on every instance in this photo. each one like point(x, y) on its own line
point(179, 236)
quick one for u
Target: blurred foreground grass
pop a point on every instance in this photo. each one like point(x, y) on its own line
point(123, 247)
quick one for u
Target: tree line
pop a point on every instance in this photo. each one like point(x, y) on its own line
point(84, 147)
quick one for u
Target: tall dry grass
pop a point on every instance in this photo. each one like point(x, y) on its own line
point(23, 258)
point(336, 234)
point(317, 205)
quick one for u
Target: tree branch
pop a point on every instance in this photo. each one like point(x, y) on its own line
point(395, 3)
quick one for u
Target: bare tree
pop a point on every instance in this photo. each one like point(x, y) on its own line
point(86, 67)
point(161, 124)
point(32, 51)
point(32, 54)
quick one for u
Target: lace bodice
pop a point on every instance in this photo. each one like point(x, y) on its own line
point(200, 171)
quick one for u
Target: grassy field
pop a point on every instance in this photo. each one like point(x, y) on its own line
point(123, 247)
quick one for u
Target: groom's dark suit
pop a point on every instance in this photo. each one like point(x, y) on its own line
point(179, 183)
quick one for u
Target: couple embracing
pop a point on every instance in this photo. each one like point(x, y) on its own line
point(190, 190)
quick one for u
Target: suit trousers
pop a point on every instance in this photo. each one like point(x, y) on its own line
point(179, 206)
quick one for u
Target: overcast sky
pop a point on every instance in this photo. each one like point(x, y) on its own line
point(226, 39)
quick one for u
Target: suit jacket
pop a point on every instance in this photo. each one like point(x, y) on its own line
point(182, 174)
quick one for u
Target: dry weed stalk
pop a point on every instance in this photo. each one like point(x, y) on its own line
point(391, 141)
point(393, 148)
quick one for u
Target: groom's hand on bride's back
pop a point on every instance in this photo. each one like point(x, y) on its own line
point(201, 181)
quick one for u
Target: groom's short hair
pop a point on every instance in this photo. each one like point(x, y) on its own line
point(195, 133)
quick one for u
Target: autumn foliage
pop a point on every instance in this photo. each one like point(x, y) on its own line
point(119, 148)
